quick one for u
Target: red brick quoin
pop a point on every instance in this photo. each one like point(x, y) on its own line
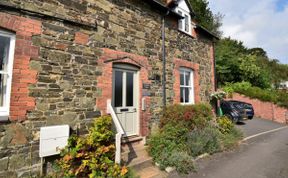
point(24, 29)
point(81, 38)
point(190, 65)
point(106, 62)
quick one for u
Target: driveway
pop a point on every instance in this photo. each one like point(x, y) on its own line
point(256, 126)
point(262, 156)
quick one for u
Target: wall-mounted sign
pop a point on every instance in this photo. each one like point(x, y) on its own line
point(146, 93)
point(146, 86)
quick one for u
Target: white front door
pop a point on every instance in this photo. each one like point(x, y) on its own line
point(125, 86)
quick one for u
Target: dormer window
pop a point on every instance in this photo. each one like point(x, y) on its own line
point(184, 24)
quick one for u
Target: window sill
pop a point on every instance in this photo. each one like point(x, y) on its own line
point(187, 104)
point(4, 117)
point(186, 33)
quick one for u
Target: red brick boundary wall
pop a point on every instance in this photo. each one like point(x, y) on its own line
point(24, 29)
point(265, 110)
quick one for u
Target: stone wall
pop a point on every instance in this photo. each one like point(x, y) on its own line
point(265, 110)
point(57, 79)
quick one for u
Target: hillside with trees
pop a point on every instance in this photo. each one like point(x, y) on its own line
point(235, 62)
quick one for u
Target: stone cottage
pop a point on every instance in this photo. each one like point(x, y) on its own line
point(62, 60)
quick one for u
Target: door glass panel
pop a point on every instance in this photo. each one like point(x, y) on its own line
point(187, 94)
point(129, 89)
point(4, 56)
point(118, 91)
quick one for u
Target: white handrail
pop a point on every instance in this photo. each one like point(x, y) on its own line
point(119, 129)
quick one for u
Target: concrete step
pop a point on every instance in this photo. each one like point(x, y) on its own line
point(151, 172)
point(129, 142)
point(134, 154)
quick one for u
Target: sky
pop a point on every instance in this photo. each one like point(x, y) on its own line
point(258, 23)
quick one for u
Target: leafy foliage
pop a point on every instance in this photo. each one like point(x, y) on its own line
point(231, 139)
point(203, 141)
point(236, 63)
point(186, 132)
point(182, 161)
point(205, 17)
point(270, 95)
point(92, 155)
point(225, 125)
point(193, 116)
point(170, 138)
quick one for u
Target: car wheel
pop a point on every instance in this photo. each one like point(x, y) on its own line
point(234, 120)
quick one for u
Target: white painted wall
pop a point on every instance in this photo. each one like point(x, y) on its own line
point(183, 6)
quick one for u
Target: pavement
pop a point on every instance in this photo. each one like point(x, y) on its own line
point(263, 155)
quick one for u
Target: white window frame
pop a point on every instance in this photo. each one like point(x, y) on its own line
point(5, 109)
point(190, 85)
point(182, 22)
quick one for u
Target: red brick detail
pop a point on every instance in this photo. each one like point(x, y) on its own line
point(81, 38)
point(193, 66)
point(105, 82)
point(24, 28)
point(265, 110)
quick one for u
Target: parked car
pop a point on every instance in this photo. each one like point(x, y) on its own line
point(237, 110)
point(249, 110)
point(231, 111)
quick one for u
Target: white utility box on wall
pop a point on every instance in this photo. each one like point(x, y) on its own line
point(53, 139)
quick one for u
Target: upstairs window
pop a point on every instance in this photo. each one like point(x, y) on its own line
point(7, 46)
point(184, 24)
point(186, 86)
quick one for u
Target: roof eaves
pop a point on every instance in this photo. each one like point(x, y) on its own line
point(164, 8)
point(203, 29)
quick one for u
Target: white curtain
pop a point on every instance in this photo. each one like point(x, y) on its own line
point(4, 61)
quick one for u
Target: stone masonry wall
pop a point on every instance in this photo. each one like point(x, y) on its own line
point(57, 72)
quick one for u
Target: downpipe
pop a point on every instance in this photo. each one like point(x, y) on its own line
point(164, 59)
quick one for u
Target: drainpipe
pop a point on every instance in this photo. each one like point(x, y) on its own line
point(214, 61)
point(217, 105)
point(164, 59)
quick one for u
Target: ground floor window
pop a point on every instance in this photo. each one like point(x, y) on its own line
point(186, 86)
point(7, 46)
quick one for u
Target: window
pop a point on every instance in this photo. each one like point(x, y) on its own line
point(7, 46)
point(186, 86)
point(184, 24)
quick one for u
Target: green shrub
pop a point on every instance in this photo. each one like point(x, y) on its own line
point(186, 132)
point(269, 95)
point(193, 116)
point(231, 139)
point(182, 161)
point(225, 125)
point(206, 140)
point(92, 155)
point(170, 138)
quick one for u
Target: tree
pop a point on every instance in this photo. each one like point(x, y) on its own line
point(236, 63)
point(206, 18)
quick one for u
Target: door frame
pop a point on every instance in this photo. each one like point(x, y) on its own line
point(129, 68)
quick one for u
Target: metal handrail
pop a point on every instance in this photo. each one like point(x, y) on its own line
point(119, 129)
